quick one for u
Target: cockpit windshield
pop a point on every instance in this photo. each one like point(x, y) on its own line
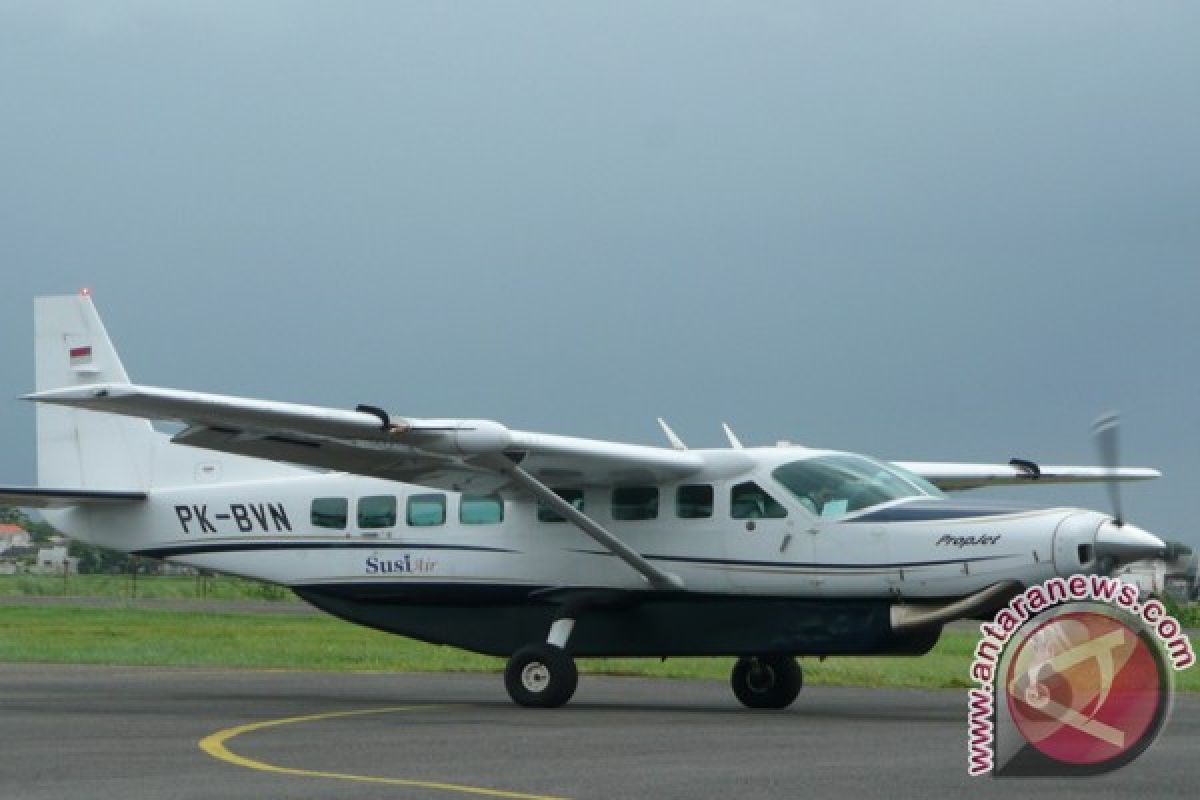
point(831, 486)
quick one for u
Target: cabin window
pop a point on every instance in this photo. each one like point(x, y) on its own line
point(425, 510)
point(694, 501)
point(749, 501)
point(572, 496)
point(635, 502)
point(329, 512)
point(480, 509)
point(377, 511)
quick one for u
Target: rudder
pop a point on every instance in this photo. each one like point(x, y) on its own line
point(78, 448)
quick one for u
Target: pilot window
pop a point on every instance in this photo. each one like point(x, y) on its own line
point(749, 501)
point(425, 510)
point(378, 511)
point(329, 512)
point(480, 509)
point(572, 496)
point(694, 501)
point(635, 502)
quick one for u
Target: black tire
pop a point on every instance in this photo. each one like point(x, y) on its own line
point(767, 681)
point(541, 676)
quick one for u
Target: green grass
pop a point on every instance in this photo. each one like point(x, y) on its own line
point(1188, 616)
point(149, 586)
point(271, 641)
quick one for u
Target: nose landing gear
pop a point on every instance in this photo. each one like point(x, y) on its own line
point(766, 681)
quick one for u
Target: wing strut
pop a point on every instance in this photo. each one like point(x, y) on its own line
point(657, 577)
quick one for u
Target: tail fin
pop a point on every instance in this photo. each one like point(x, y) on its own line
point(84, 449)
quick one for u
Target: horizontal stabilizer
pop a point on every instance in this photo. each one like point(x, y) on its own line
point(33, 497)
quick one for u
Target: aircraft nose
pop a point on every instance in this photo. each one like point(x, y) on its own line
point(1117, 545)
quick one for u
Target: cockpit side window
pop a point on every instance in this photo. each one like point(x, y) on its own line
point(750, 501)
point(835, 485)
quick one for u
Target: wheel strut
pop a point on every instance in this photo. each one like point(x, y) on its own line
point(543, 675)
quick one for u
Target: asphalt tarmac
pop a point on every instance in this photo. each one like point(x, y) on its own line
point(120, 733)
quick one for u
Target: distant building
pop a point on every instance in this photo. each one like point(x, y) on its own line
point(1179, 577)
point(1150, 576)
point(53, 560)
point(1183, 579)
point(17, 560)
point(13, 536)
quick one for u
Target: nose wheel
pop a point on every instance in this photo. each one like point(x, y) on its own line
point(541, 676)
point(766, 681)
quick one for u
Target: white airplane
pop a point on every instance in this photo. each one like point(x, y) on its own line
point(541, 548)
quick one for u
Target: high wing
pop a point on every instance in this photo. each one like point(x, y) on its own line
point(455, 454)
point(953, 477)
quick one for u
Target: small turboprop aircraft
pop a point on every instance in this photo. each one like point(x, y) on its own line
point(542, 548)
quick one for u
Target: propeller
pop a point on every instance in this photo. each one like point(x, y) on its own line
point(1105, 433)
point(1118, 543)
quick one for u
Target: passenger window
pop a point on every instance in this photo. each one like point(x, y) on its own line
point(635, 502)
point(572, 496)
point(425, 510)
point(749, 501)
point(378, 511)
point(694, 501)
point(475, 509)
point(329, 512)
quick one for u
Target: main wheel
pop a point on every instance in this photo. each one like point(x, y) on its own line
point(767, 681)
point(541, 676)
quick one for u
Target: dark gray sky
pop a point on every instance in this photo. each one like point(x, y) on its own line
point(920, 230)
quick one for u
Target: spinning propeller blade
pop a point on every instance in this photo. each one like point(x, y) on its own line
point(1105, 432)
point(1116, 542)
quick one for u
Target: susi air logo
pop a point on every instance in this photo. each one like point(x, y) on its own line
point(401, 565)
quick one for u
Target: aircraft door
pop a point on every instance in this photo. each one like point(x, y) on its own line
point(769, 547)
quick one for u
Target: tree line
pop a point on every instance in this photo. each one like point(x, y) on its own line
point(92, 558)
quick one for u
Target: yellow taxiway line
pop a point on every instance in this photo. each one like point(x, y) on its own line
point(214, 745)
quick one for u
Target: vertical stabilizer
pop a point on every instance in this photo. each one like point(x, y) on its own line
point(75, 448)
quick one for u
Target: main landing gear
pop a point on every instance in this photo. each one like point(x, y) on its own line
point(543, 675)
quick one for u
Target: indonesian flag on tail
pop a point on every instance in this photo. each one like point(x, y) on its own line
point(81, 356)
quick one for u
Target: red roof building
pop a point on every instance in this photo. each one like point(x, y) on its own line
point(13, 536)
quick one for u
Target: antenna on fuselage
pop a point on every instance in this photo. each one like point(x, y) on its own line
point(675, 441)
point(734, 442)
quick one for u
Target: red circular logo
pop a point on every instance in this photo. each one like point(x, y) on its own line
point(1085, 688)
